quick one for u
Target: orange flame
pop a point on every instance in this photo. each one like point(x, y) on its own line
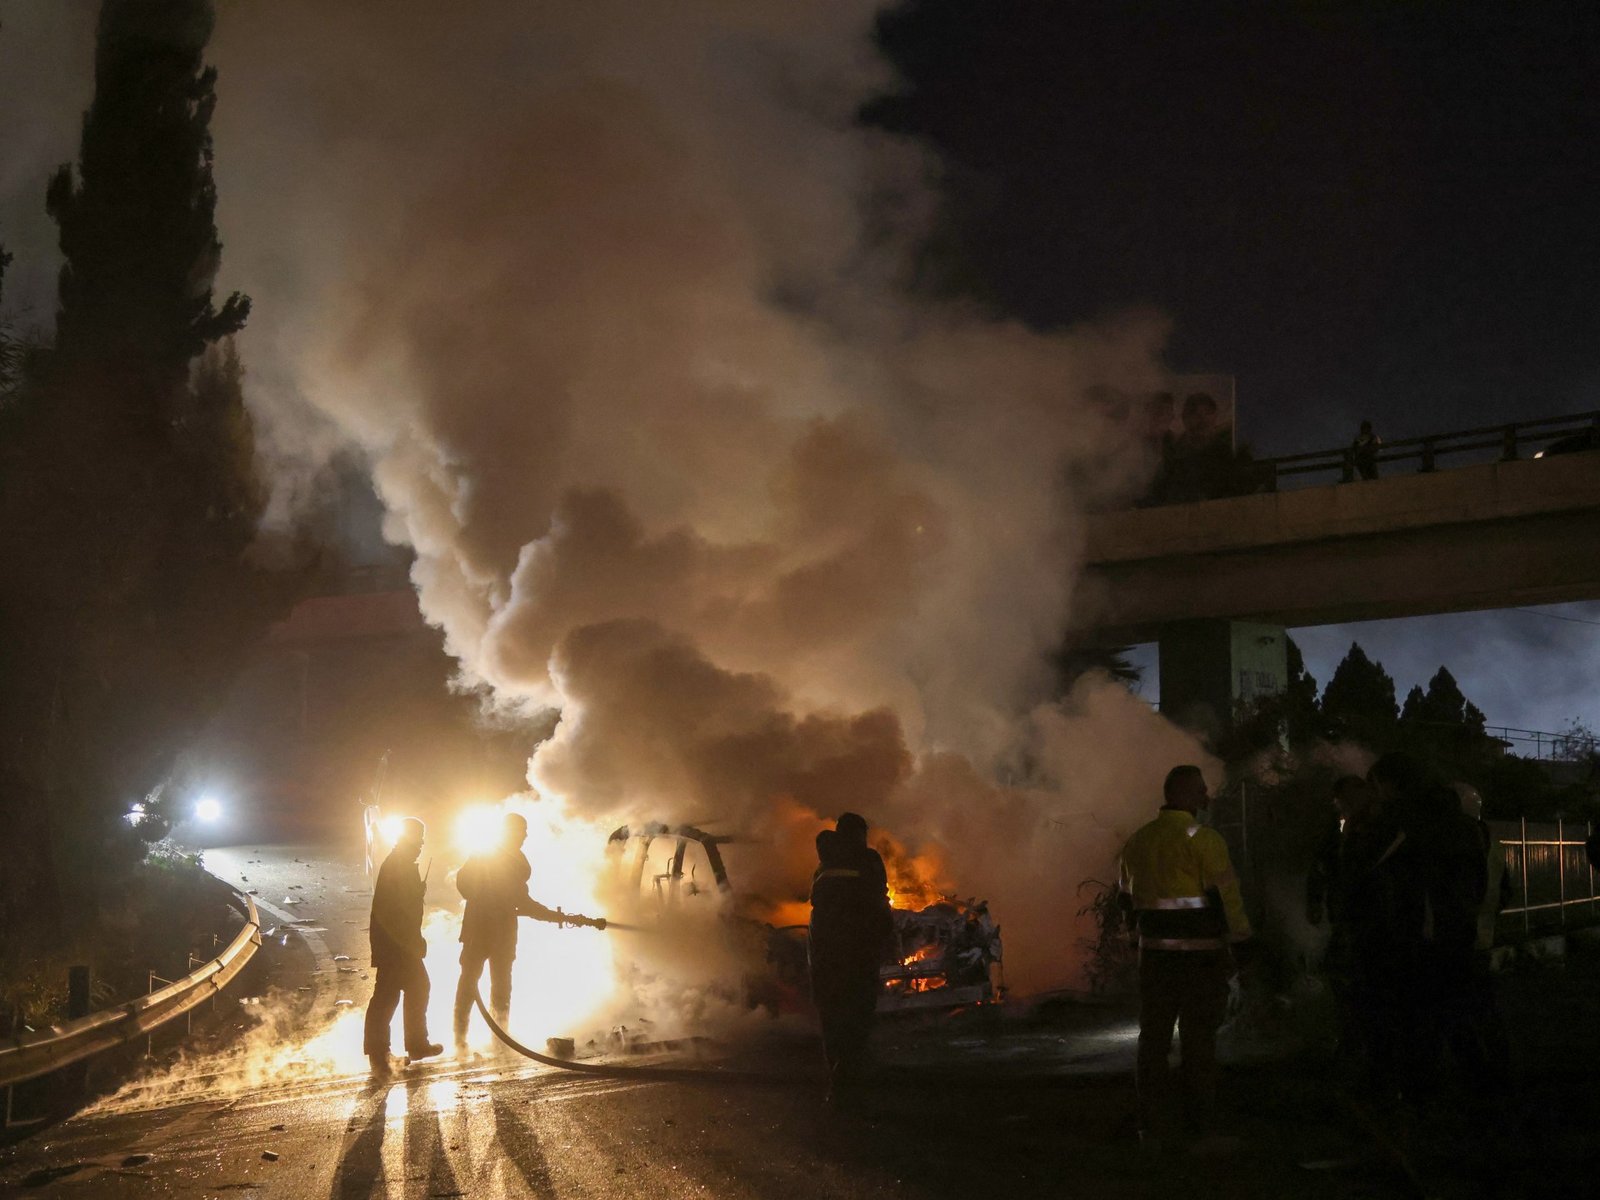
point(915, 880)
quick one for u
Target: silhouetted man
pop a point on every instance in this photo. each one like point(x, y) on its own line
point(850, 929)
point(1441, 876)
point(495, 887)
point(1370, 897)
point(1364, 451)
point(395, 932)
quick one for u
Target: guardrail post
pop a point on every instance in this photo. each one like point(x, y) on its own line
point(78, 1006)
point(1508, 437)
point(77, 992)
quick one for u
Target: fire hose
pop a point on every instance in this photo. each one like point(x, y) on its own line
point(620, 1071)
point(903, 1076)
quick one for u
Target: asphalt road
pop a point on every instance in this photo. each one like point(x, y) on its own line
point(966, 1111)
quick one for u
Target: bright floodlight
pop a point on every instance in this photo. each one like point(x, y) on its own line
point(478, 828)
point(208, 809)
point(391, 828)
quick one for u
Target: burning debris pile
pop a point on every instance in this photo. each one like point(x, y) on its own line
point(946, 955)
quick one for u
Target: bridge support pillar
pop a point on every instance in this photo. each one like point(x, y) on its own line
point(1206, 667)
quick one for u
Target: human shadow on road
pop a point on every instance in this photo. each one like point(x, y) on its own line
point(424, 1144)
point(360, 1172)
point(521, 1146)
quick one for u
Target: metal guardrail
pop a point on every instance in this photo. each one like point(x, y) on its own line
point(1508, 441)
point(43, 1051)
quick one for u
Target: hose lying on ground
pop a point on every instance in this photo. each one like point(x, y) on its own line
point(620, 1071)
point(903, 1076)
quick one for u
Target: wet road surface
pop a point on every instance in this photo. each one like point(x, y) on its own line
point(499, 1127)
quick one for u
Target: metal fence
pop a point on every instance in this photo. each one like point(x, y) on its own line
point(1573, 746)
point(1553, 885)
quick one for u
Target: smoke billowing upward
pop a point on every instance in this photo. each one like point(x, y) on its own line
point(607, 296)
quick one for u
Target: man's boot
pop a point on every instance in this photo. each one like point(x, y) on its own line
point(425, 1050)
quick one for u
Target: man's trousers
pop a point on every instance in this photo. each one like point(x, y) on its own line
point(1189, 989)
point(408, 978)
point(473, 959)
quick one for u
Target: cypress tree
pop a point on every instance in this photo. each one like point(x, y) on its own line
point(137, 218)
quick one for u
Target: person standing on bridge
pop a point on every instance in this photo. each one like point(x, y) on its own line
point(1176, 879)
point(495, 887)
point(850, 928)
point(395, 932)
point(1364, 451)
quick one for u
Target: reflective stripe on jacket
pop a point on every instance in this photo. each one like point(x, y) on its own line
point(1177, 874)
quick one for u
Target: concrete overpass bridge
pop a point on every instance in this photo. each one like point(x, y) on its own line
point(1215, 582)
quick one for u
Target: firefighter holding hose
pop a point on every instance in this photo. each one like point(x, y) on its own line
point(1177, 881)
point(495, 887)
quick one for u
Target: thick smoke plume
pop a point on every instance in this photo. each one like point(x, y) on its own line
point(608, 297)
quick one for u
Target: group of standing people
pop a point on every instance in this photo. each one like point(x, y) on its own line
point(851, 928)
point(1410, 882)
point(494, 885)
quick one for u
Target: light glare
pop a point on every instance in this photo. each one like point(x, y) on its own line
point(478, 828)
point(208, 809)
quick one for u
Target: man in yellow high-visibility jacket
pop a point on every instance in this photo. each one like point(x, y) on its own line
point(1177, 880)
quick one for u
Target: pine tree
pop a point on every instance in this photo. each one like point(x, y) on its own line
point(1411, 710)
point(1442, 704)
point(1358, 704)
point(1446, 728)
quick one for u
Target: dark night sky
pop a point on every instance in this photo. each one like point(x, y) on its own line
point(1382, 210)
point(1360, 210)
point(1388, 211)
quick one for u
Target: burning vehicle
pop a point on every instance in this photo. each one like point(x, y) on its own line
point(947, 954)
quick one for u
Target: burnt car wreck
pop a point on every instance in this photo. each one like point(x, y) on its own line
point(945, 955)
point(948, 955)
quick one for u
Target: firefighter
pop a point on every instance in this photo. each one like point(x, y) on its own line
point(495, 887)
point(1177, 881)
point(850, 927)
point(395, 931)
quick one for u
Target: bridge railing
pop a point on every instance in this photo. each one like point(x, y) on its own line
point(1509, 443)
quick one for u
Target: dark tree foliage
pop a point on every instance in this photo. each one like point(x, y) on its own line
point(1302, 720)
point(137, 219)
point(127, 497)
point(1358, 704)
point(1073, 662)
point(1442, 704)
